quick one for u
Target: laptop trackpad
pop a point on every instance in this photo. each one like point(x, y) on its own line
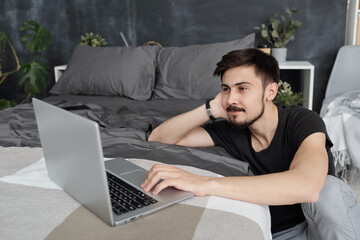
point(136, 177)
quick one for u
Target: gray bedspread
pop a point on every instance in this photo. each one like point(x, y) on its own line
point(124, 127)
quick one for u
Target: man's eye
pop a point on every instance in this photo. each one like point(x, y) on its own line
point(225, 89)
point(243, 88)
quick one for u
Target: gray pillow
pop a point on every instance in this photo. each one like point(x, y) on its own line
point(110, 71)
point(187, 72)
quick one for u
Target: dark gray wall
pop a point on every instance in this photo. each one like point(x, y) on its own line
point(174, 23)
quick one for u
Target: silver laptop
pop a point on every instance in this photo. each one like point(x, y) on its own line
point(74, 161)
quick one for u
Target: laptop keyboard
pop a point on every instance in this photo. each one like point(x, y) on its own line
point(124, 197)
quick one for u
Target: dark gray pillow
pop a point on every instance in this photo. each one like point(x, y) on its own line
point(187, 72)
point(110, 71)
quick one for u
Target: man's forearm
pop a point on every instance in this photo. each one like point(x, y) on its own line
point(270, 189)
point(174, 129)
point(301, 183)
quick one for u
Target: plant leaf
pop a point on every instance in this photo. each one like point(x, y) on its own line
point(3, 39)
point(283, 18)
point(4, 103)
point(27, 37)
point(264, 33)
point(275, 24)
point(31, 75)
point(275, 34)
point(38, 40)
point(29, 25)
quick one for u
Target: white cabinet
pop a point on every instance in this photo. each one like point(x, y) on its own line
point(58, 71)
point(353, 23)
point(308, 78)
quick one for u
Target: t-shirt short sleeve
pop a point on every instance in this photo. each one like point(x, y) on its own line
point(219, 132)
point(301, 123)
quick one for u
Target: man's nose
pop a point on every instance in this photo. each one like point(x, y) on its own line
point(233, 99)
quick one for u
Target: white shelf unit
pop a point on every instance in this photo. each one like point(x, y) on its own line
point(58, 71)
point(308, 78)
point(305, 66)
point(352, 36)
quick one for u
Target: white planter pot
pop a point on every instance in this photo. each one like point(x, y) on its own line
point(279, 54)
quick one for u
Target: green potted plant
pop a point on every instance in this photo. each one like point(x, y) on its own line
point(31, 74)
point(286, 97)
point(92, 40)
point(34, 74)
point(279, 32)
point(4, 40)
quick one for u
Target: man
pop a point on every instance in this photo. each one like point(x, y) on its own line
point(287, 149)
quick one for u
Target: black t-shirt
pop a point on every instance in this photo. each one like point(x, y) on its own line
point(295, 124)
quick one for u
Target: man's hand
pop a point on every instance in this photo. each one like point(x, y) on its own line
point(217, 109)
point(174, 177)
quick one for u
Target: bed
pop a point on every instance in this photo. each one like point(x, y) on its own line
point(341, 112)
point(128, 92)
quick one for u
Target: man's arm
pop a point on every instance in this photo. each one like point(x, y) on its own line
point(301, 183)
point(185, 129)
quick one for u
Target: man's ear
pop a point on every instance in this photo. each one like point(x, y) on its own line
point(271, 91)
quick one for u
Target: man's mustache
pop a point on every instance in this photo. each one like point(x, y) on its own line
point(234, 108)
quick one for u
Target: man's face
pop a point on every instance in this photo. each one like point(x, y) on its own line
point(242, 96)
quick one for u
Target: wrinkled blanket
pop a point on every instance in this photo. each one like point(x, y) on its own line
point(341, 115)
point(124, 127)
point(33, 207)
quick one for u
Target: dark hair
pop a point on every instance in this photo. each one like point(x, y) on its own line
point(266, 66)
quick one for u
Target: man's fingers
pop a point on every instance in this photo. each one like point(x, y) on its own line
point(155, 175)
point(164, 184)
point(158, 167)
point(150, 174)
point(149, 183)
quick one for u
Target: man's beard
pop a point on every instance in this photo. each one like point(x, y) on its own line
point(244, 124)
